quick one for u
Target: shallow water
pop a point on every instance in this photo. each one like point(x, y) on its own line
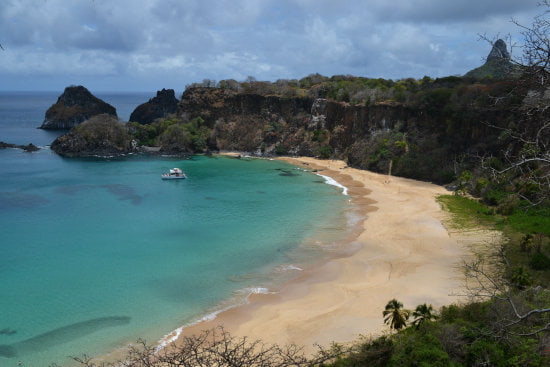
point(97, 253)
point(84, 241)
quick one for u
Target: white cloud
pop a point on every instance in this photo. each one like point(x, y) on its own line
point(186, 41)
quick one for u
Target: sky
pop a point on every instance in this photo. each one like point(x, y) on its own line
point(147, 45)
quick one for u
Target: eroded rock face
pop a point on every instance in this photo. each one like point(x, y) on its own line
point(498, 52)
point(163, 104)
point(102, 135)
point(74, 106)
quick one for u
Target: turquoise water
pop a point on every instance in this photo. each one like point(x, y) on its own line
point(96, 253)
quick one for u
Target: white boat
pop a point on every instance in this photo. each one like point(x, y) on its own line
point(174, 174)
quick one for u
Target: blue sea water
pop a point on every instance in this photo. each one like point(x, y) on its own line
point(96, 253)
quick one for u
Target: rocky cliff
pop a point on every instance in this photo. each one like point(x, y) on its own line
point(421, 140)
point(74, 106)
point(163, 104)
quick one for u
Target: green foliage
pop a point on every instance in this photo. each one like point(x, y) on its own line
point(281, 149)
point(198, 134)
point(539, 261)
point(422, 314)
point(521, 278)
point(534, 220)
point(484, 352)
point(320, 135)
point(144, 134)
point(175, 139)
point(418, 349)
point(395, 315)
point(325, 152)
point(466, 212)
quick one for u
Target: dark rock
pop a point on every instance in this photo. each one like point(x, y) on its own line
point(28, 148)
point(102, 135)
point(163, 104)
point(74, 106)
point(499, 51)
point(497, 66)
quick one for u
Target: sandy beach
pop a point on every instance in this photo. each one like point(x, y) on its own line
point(403, 251)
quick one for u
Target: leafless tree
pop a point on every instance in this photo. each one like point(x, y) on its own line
point(217, 348)
point(515, 312)
point(527, 155)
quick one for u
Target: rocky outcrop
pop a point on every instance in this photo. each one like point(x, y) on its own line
point(102, 135)
point(422, 140)
point(163, 104)
point(497, 66)
point(27, 148)
point(74, 106)
point(498, 52)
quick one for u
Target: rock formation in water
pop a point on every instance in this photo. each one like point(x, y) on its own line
point(163, 104)
point(102, 135)
point(74, 106)
point(28, 148)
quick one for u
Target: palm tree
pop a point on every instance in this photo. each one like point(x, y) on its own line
point(423, 313)
point(395, 315)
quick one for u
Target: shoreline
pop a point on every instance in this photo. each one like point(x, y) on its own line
point(402, 242)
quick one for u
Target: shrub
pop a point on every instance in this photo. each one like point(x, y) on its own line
point(539, 261)
point(325, 151)
point(281, 149)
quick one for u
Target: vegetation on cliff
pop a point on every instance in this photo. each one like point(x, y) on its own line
point(102, 135)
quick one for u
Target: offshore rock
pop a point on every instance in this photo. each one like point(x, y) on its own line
point(74, 106)
point(27, 148)
point(163, 104)
point(102, 135)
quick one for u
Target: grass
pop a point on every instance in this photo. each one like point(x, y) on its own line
point(467, 213)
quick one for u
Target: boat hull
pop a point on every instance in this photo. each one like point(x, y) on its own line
point(173, 177)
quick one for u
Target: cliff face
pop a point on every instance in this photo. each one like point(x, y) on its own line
point(420, 142)
point(163, 104)
point(74, 106)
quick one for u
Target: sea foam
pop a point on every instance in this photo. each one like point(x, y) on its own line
point(175, 334)
point(333, 182)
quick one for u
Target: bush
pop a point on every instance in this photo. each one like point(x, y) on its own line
point(325, 152)
point(539, 261)
point(281, 149)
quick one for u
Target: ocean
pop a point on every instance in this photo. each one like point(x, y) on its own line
point(97, 253)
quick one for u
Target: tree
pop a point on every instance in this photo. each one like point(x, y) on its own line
point(527, 155)
point(217, 348)
point(395, 315)
point(517, 313)
point(423, 313)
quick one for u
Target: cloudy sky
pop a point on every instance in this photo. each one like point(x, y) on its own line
point(146, 45)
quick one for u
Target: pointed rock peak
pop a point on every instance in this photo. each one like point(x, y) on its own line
point(499, 51)
point(163, 104)
point(74, 106)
